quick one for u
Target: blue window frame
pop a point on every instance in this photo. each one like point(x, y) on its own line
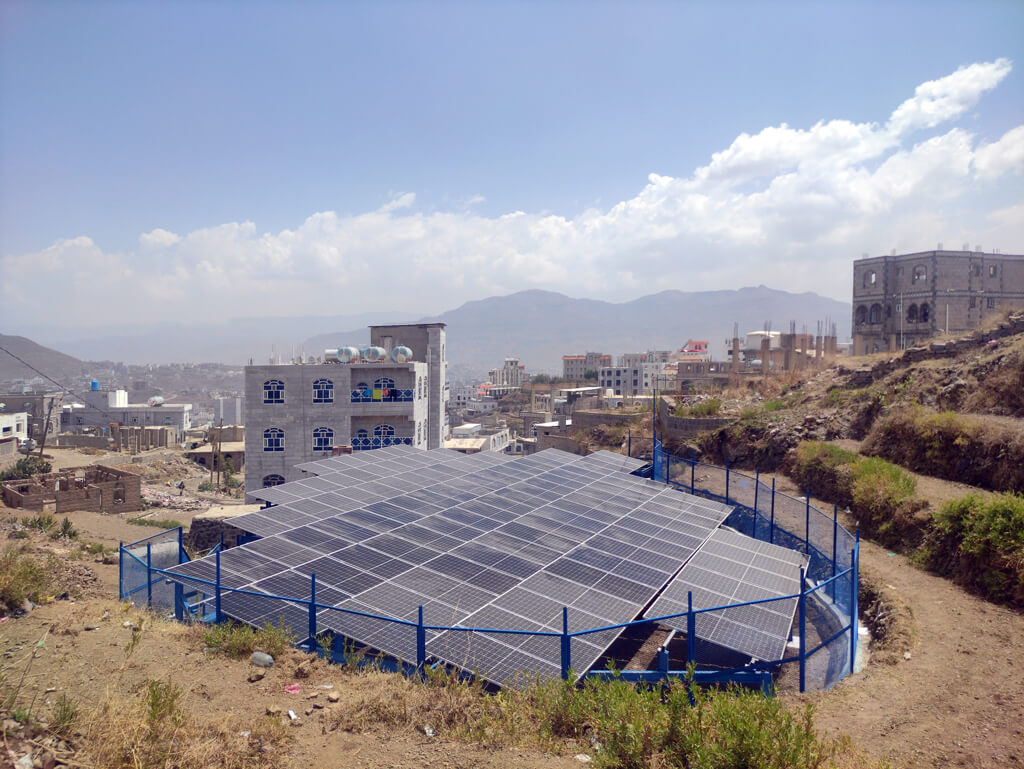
point(323, 439)
point(272, 480)
point(273, 439)
point(323, 391)
point(383, 435)
point(273, 391)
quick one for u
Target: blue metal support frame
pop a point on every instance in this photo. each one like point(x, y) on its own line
point(771, 530)
point(312, 612)
point(566, 648)
point(149, 574)
point(802, 608)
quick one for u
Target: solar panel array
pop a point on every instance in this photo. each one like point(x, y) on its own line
point(481, 540)
point(734, 568)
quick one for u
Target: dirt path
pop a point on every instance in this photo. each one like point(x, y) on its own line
point(958, 700)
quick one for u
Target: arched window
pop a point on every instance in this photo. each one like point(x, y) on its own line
point(273, 391)
point(323, 391)
point(362, 393)
point(920, 274)
point(323, 439)
point(361, 441)
point(870, 278)
point(273, 439)
point(272, 480)
point(384, 389)
point(912, 314)
point(924, 314)
point(861, 315)
point(876, 314)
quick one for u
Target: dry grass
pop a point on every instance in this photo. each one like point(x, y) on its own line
point(155, 729)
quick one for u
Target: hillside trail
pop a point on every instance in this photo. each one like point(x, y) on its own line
point(959, 698)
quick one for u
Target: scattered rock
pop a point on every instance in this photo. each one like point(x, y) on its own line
point(261, 659)
point(74, 630)
point(906, 655)
point(333, 697)
point(429, 730)
point(309, 710)
point(583, 758)
point(273, 710)
point(25, 762)
point(92, 627)
point(301, 670)
point(109, 559)
point(256, 675)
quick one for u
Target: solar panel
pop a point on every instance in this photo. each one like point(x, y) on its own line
point(475, 539)
point(733, 568)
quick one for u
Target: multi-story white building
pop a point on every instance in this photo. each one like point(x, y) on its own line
point(639, 378)
point(390, 392)
point(13, 431)
point(99, 408)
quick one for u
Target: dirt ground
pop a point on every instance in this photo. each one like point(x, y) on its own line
point(954, 696)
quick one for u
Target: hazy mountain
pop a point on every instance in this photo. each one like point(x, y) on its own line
point(232, 341)
point(539, 327)
point(55, 364)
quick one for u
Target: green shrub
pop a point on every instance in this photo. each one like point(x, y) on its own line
point(21, 577)
point(237, 640)
point(776, 404)
point(206, 486)
point(881, 495)
point(161, 523)
point(951, 446)
point(26, 468)
point(640, 727)
point(979, 542)
point(65, 713)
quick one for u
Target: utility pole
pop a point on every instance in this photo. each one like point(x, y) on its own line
point(46, 428)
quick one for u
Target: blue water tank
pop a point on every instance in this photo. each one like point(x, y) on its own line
point(94, 385)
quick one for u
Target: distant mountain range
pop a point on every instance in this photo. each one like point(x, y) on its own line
point(52, 363)
point(538, 327)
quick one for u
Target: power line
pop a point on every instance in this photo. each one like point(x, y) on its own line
point(63, 388)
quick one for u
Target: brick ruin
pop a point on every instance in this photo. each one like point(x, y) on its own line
point(98, 488)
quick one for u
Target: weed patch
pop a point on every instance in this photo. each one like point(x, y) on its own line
point(237, 640)
point(165, 523)
point(979, 542)
point(23, 577)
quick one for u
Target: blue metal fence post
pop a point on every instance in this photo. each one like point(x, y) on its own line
point(182, 555)
point(663, 662)
point(421, 642)
point(629, 442)
point(691, 631)
point(757, 487)
point(727, 481)
point(693, 470)
point(565, 643)
point(771, 525)
point(179, 602)
point(807, 523)
point(216, 592)
point(120, 571)
point(668, 466)
point(803, 629)
point(854, 620)
point(149, 574)
point(312, 612)
point(835, 542)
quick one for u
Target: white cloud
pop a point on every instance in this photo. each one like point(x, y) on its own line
point(1003, 156)
point(158, 238)
point(948, 97)
point(788, 207)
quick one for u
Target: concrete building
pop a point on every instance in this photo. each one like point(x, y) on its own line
point(902, 300)
point(474, 437)
point(13, 432)
point(41, 408)
point(101, 408)
point(392, 391)
point(637, 378)
point(229, 411)
point(575, 367)
point(507, 379)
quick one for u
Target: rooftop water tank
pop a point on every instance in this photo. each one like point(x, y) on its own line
point(373, 354)
point(347, 354)
point(401, 354)
point(330, 355)
point(94, 385)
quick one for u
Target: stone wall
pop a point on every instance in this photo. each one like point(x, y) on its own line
point(681, 428)
point(584, 420)
point(78, 441)
point(97, 488)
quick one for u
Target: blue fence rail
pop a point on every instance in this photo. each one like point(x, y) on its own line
point(826, 603)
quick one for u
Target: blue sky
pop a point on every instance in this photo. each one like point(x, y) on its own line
point(217, 152)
